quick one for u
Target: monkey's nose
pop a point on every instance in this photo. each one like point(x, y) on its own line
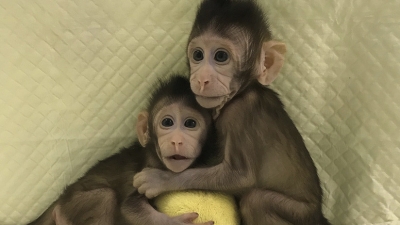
point(177, 145)
point(176, 142)
point(202, 84)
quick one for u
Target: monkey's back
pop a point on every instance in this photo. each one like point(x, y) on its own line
point(269, 145)
point(115, 172)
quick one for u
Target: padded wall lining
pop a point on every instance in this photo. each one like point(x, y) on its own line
point(74, 74)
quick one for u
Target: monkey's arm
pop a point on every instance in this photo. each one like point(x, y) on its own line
point(221, 177)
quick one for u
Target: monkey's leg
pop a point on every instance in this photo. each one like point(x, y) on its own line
point(136, 210)
point(260, 206)
point(46, 218)
point(95, 207)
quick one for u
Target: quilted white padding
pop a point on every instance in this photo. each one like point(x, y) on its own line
point(74, 75)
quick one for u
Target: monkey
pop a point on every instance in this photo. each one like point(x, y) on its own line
point(171, 135)
point(266, 165)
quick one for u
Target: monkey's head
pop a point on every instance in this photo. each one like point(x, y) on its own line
point(174, 124)
point(229, 47)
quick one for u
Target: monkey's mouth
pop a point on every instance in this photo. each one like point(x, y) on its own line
point(210, 97)
point(210, 102)
point(177, 163)
point(177, 157)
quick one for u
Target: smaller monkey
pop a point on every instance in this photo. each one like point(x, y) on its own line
point(174, 134)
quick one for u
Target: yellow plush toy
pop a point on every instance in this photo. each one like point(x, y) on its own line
point(218, 207)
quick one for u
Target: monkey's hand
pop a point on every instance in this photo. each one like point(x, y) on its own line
point(188, 218)
point(152, 182)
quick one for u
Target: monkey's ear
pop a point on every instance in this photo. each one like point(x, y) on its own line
point(142, 128)
point(272, 57)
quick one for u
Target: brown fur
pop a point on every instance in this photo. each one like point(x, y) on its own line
point(266, 164)
point(105, 195)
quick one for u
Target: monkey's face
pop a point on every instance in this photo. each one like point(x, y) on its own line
point(181, 132)
point(220, 66)
point(213, 63)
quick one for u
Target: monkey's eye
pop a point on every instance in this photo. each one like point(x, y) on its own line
point(190, 123)
point(198, 55)
point(221, 56)
point(167, 122)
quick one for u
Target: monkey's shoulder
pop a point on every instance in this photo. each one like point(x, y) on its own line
point(127, 156)
point(124, 163)
point(265, 96)
point(256, 98)
point(115, 172)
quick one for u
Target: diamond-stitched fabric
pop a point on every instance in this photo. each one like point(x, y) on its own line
point(74, 75)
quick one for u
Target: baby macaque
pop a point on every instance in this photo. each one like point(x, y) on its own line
point(174, 133)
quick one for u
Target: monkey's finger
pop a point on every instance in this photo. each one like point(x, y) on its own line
point(136, 177)
point(187, 217)
point(138, 180)
point(136, 183)
point(141, 178)
point(151, 193)
point(147, 169)
point(206, 223)
point(142, 189)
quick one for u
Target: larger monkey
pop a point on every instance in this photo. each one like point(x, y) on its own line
point(170, 137)
point(266, 164)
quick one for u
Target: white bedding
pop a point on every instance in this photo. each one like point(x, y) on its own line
point(74, 75)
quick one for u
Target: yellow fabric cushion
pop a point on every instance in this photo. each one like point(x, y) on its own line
point(218, 207)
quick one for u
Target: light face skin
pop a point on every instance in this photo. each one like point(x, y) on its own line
point(214, 62)
point(181, 132)
point(212, 65)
